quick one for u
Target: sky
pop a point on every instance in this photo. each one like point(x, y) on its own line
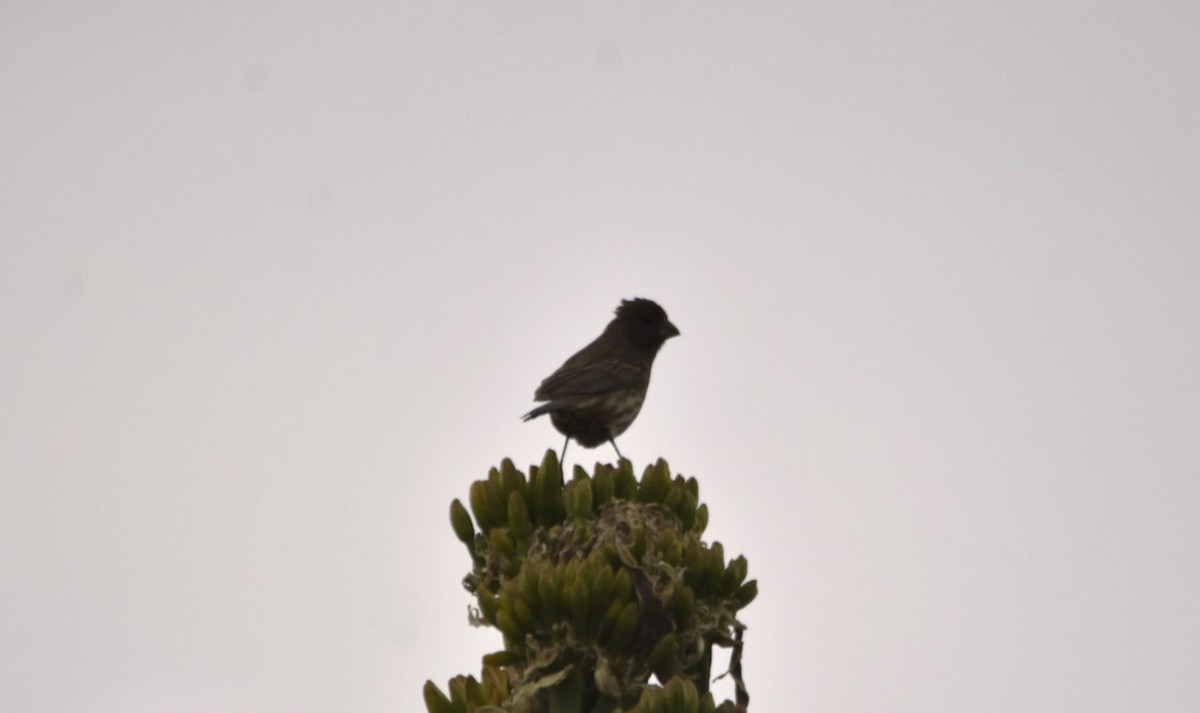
point(277, 281)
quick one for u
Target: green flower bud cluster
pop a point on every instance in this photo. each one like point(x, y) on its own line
point(680, 695)
point(596, 584)
point(468, 694)
point(583, 600)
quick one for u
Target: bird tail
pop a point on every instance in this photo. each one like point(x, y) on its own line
point(544, 408)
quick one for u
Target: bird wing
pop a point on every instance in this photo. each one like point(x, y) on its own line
point(592, 377)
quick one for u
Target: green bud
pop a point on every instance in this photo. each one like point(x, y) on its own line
point(581, 608)
point(701, 523)
point(507, 624)
point(460, 520)
point(435, 700)
point(664, 657)
point(625, 628)
point(549, 595)
point(499, 659)
point(479, 507)
point(495, 683)
point(691, 697)
point(494, 501)
point(578, 498)
point(539, 509)
point(609, 621)
point(550, 464)
point(683, 602)
point(622, 590)
point(670, 548)
point(458, 692)
point(502, 542)
point(551, 487)
point(604, 485)
point(714, 570)
point(602, 586)
point(488, 605)
point(653, 700)
point(523, 615)
point(527, 584)
point(746, 593)
point(627, 484)
point(655, 482)
point(676, 699)
point(518, 516)
point(734, 575)
point(512, 480)
point(474, 691)
point(693, 562)
point(637, 547)
point(675, 496)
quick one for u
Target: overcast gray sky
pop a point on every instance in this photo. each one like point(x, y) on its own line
point(277, 280)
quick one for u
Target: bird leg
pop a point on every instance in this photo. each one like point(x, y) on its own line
point(618, 450)
point(562, 464)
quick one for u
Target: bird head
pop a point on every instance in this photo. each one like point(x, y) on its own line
point(645, 323)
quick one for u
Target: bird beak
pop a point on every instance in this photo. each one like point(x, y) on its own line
point(668, 330)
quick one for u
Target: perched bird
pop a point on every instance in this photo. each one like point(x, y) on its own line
point(596, 394)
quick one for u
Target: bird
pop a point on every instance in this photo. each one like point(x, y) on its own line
point(597, 393)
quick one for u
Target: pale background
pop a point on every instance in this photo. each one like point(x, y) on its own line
point(277, 280)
